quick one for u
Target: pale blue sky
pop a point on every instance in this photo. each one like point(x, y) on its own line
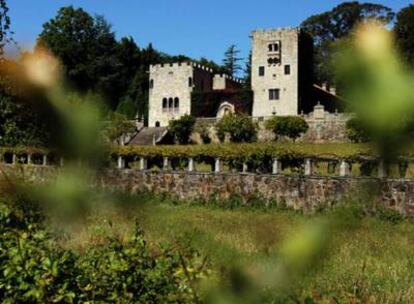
point(192, 27)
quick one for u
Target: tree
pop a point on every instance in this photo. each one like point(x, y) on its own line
point(248, 73)
point(239, 127)
point(328, 27)
point(5, 30)
point(289, 126)
point(127, 107)
point(231, 61)
point(404, 33)
point(118, 127)
point(182, 128)
point(87, 48)
point(356, 131)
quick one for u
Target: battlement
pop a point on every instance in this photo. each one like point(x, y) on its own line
point(278, 29)
point(227, 77)
point(179, 65)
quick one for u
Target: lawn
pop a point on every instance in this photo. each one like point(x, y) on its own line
point(366, 259)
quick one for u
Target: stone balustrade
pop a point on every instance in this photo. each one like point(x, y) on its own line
point(311, 184)
point(307, 166)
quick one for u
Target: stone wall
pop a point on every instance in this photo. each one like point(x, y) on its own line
point(298, 192)
point(324, 127)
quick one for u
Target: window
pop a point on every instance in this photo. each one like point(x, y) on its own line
point(176, 104)
point(157, 124)
point(287, 69)
point(261, 70)
point(170, 103)
point(274, 94)
point(273, 60)
point(190, 82)
point(151, 83)
point(273, 47)
point(164, 104)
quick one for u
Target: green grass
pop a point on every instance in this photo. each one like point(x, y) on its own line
point(367, 261)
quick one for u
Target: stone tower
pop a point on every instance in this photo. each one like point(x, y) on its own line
point(170, 91)
point(281, 71)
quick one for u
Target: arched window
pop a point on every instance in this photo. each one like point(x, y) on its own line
point(170, 104)
point(190, 81)
point(164, 104)
point(151, 83)
point(270, 46)
point(157, 124)
point(176, 104)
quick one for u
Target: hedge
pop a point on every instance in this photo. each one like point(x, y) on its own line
point(245, 151)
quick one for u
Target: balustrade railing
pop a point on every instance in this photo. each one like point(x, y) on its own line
point(315, 166)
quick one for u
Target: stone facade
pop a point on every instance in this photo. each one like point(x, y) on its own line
point(170, 92)
point(281, 75)
point(171, 86)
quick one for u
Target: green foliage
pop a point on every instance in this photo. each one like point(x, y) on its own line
point(203, 130)
point(231, 60)
point(338, 23)
point(35, 269)
point(239, 127)
point(5, 30)
point(250, 151)
point(87, 48)
point(182, 128)
point(21, 122)
point(356, 131)
point(127, 107)
point(404, 33)
point(119, 125)
point(289, 126)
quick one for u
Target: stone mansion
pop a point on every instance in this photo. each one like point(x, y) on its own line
point(281, 83)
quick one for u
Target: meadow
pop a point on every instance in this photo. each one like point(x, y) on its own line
point(367, 258)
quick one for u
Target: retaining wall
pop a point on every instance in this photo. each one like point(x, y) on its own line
point(298, 192)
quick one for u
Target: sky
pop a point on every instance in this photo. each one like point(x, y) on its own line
point(194, 28)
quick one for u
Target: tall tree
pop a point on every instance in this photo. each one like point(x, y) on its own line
point(87, 48)
point(404, 33)
point(248, 72)
point(328, 27)
point(5, 31)
point(232, 60)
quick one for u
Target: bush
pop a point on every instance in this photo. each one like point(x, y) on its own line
point(203, 130)
point(356, 131)
point(239, 127)
point(35, 269)
point(118, 127)
point(289, 126)
point(182, 128)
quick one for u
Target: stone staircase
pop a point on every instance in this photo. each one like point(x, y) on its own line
point(149, 136)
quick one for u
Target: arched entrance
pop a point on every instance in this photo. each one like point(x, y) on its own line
point(224, 109)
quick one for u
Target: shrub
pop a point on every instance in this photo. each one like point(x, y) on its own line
point(203, 130)
point(118, 127)
point(289, 126)
point(356, 131)
point(182, 128)
point(35, 269)
point(239, 127)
